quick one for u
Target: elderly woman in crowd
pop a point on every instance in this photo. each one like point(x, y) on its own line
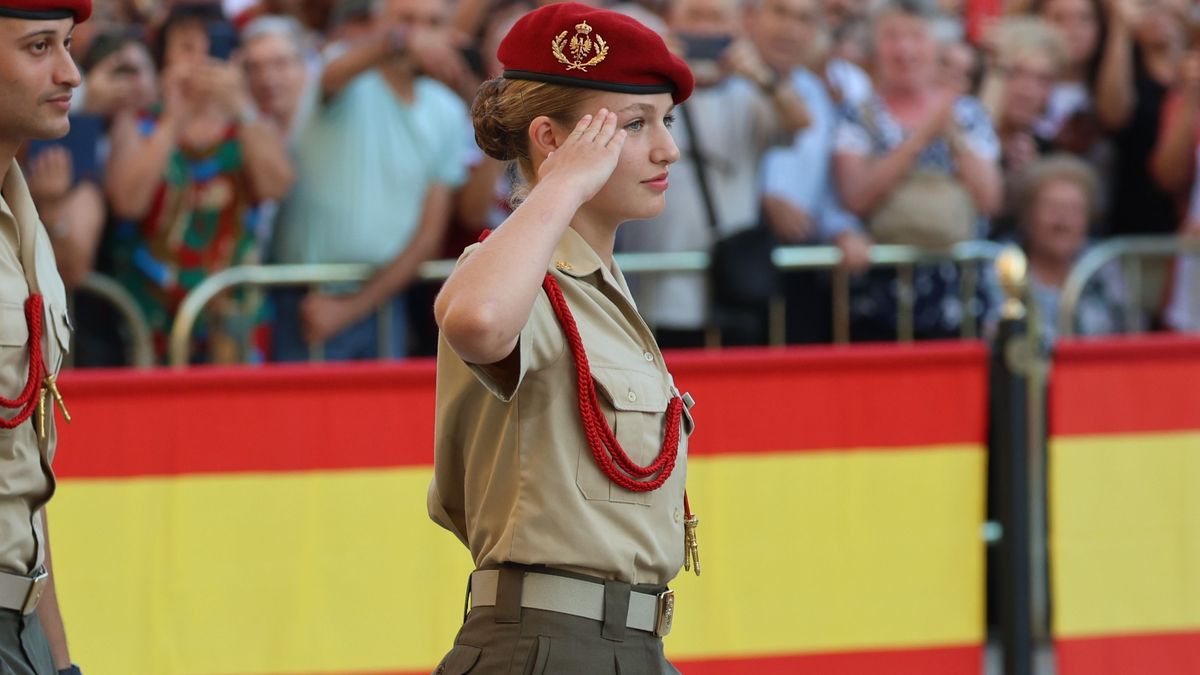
point(1058, 197)
point(918, 163)
point(1027, 56)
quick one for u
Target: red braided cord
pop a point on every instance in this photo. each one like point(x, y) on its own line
point(601, 439)
point(27, 400)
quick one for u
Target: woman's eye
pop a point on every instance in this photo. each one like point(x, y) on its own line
point(669, 121)
point(39, 47)
point(635, 125)
point(67, 43)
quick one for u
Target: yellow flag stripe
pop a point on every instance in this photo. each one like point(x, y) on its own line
point(1125, 533)
point(343, 572)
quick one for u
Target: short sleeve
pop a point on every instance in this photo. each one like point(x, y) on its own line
point(539, 344)
point(851, 136)
point(979, 134)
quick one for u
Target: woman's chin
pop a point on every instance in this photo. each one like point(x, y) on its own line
point(649, 208)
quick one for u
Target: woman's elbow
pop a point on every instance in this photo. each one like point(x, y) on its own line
point(125, 203)
point(276, 182)
point(475, 334)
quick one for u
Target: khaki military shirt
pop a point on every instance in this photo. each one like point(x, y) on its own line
point(26, 480)
point(514, 477)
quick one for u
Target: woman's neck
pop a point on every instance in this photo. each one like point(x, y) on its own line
point(903, 95)
point(599, 233)
point(1048, 269)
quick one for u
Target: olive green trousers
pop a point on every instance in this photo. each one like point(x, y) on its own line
point(23, 646)
point(522, 641)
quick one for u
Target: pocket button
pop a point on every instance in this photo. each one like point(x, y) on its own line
point(648, 356)
point(632, 395)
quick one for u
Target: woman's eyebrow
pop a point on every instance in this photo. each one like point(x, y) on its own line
point(643, 108)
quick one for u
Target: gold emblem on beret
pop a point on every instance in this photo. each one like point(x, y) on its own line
point(580, 46)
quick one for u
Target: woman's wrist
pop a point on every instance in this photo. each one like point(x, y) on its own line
point(568, 191)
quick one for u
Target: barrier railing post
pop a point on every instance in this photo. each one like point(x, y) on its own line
point(1016, 473)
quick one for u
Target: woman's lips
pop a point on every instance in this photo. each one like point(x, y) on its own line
point(658, 182)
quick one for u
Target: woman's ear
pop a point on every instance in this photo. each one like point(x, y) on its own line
point(544, 136)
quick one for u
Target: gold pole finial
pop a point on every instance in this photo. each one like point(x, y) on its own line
point(1011, 267)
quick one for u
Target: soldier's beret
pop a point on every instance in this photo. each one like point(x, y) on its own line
point(580, 46)
point(47, 9)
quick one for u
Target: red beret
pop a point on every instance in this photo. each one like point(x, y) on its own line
point(580, 46)
point(46, 9)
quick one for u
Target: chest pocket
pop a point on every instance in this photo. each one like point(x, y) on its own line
point(635, 404)
point(13, 331)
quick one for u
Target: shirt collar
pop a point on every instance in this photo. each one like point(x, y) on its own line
point(574, 257)
point(17, 202)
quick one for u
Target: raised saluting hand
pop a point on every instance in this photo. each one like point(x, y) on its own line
point(587, 158)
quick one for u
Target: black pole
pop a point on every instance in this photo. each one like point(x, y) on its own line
point(1010, 562)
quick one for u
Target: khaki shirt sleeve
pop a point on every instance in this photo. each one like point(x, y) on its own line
point(538, 345)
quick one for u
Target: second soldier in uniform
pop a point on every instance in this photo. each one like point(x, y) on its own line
point(36, 78)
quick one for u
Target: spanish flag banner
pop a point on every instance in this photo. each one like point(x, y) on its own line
point(272, 521)
point(1125, 507)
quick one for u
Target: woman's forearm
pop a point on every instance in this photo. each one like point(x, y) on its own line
point(865, 182)
point(268, 166)
point(487, 300)
point(136, 168)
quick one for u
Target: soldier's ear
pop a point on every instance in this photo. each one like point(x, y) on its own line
point(544, 137)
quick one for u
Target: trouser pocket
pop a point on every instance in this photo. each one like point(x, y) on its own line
point(459, 661)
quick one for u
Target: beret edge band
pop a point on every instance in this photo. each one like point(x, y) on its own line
point(565, 80)
point(36, 15)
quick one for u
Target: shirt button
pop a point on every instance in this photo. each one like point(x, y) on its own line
point(648, 356)
point(632, 396)
point(678, 516)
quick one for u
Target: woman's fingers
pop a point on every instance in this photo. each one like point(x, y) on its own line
point(598, 122)
point(581, 126)
point(607, 129)
point(617, 140)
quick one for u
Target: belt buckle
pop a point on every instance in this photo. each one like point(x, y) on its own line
point(665, 613)
point(34, 596)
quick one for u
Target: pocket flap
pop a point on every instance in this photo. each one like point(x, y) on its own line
point(460, 660)
point(632, 390)
point(61, 326)
point(13, 331)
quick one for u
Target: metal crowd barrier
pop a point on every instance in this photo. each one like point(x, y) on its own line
point(1131, 251)
point(140, 349)
point(903, 258)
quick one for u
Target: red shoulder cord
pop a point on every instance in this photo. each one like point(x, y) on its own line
point(27, 400)
point(610, 456)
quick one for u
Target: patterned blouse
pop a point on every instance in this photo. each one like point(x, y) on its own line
point(203, 219)
point(870, 130)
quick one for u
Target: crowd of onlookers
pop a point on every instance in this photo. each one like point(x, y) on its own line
point(209, 135)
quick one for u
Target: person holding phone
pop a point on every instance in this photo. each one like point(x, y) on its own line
point(186, 181)
point(39, 76)
point(575, 526)
point(377, 169)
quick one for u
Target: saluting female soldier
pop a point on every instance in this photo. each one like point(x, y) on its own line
point(36, 79)
point(561, 440)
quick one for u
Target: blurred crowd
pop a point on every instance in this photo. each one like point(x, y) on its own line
point(208, 135)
